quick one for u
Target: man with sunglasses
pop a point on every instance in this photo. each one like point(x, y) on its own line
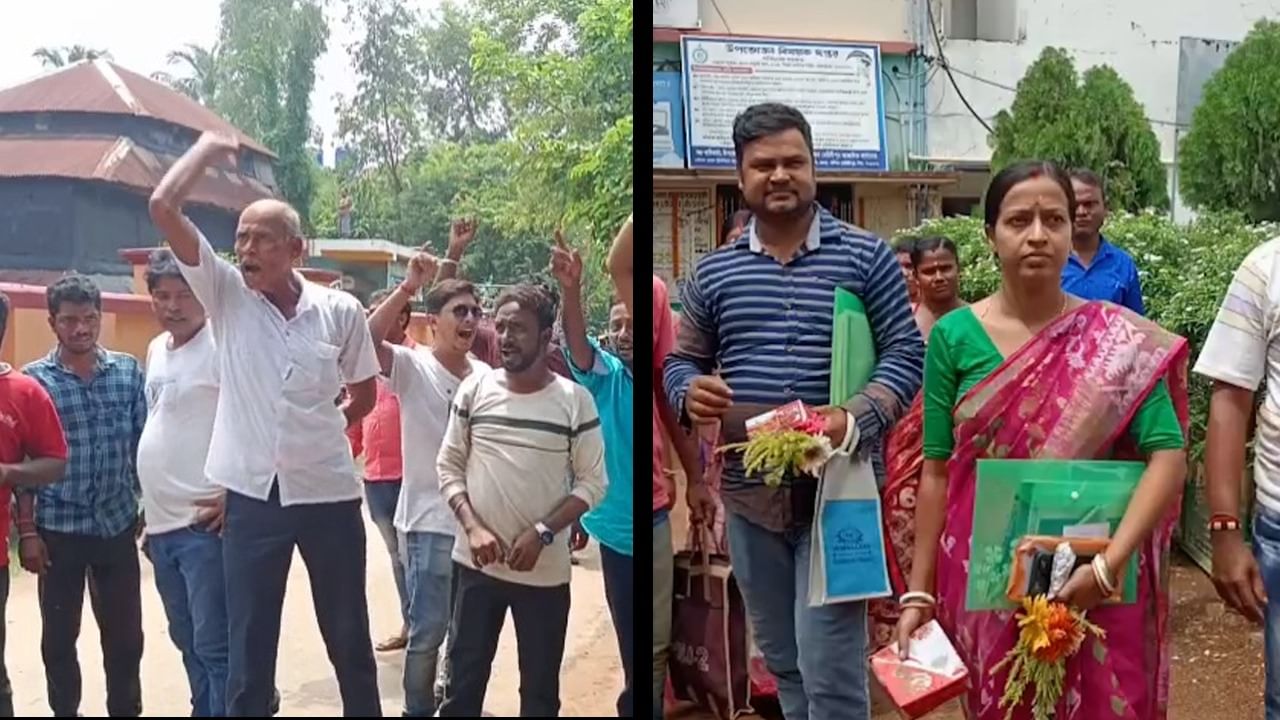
point(425, 383)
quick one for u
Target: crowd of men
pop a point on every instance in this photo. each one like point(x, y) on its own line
point(233, 447)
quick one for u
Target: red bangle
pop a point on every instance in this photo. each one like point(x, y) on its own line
point(1223, 521)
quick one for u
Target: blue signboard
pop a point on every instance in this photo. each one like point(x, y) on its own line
point(836, 85)
point(668, 121)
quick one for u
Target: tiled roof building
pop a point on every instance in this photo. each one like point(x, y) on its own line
point(82, 148)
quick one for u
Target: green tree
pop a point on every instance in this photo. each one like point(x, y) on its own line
point(458, 105)
point(51, 57)
point(1096, 124)
point(380, 123)
point(200, 81)
point(570, 99)
point(1230, 158)
point(565, 71)
point(268, 51)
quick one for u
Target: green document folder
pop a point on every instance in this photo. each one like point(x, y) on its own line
point(1016, 498)
point(853, 348)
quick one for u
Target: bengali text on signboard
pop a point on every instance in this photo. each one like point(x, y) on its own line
point(835, 85)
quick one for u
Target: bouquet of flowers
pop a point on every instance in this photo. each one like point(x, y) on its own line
point(787, 440)
point(1050, 632)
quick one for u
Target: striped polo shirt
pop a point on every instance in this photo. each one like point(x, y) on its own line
point(771, 325)
point(1242, 350)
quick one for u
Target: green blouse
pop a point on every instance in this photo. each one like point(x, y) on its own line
point(961, 354)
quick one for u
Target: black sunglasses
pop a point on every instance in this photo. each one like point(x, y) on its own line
point(460, 312)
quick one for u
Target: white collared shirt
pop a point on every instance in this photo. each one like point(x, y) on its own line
point(812, 241)
point(280, 377)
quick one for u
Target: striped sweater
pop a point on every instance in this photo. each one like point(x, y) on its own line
point(767, 328)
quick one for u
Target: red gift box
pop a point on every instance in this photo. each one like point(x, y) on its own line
point(931, 675)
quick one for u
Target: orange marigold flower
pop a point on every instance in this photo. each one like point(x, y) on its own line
point(1064, 634)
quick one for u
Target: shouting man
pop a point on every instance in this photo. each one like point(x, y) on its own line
point(285, 349)
point(425, 383)
point(514, 435)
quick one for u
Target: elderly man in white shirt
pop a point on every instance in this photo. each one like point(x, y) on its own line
point(285, 349)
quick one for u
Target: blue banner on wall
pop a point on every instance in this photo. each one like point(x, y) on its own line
point(668, 121)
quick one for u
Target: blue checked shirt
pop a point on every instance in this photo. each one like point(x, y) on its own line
point(103, 419)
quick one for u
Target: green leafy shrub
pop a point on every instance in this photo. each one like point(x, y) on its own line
point(1090, 121)
point(1230, 158)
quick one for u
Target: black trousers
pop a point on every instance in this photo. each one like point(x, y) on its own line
point(110, 565)
point(541, 615)
point(258, 541)
point(6, 689)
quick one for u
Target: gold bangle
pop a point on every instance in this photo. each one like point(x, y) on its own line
point(1102, 574)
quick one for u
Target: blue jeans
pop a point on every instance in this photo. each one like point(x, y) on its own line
point(192, 586)
point(1266, 548)
point(817, 654)
point(428, 575)
point(382, 496)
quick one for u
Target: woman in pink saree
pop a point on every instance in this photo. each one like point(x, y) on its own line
point(935, 270)
point(1033, 373)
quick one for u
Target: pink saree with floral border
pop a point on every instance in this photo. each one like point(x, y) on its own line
point(1069, 393)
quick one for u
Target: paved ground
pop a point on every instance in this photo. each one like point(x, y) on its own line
point(591, 675)
point(1216, 665)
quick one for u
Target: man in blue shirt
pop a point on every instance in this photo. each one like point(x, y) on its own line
point(607, 375)
point(1096, 269)
point(87, 522)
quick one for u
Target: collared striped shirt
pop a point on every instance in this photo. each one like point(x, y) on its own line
point(767, 327)
point(103, 420)
point(1243, 350)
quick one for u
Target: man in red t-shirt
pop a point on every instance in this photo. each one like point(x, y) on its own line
point(33, 452)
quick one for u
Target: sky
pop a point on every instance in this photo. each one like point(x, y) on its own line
point(140, 33)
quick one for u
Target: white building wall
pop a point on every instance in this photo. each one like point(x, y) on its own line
point(1139, 38)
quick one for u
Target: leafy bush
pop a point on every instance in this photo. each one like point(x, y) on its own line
point(1185, 272)
point(1230, 158)
point(1091, 121)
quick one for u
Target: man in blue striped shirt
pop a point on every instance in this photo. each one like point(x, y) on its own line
point(760, 310)
point(87, 522)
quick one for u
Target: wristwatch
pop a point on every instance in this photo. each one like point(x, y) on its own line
point(544, 533)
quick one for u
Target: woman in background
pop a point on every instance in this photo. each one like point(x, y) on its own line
point(935, 270)
point(902, 249)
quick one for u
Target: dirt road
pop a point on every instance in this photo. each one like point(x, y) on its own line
point(1217, 671)
point(591, 676)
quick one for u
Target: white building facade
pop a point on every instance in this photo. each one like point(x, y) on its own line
point(990, 43)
